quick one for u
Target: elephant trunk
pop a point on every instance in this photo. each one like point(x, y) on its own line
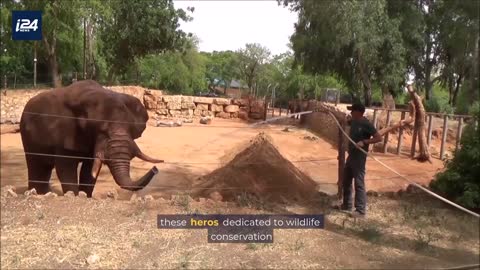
point(119, 165)
point(121, 173)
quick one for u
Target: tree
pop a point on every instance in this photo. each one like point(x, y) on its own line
point(458, 36)
point(354, 39)
point(60, 32)
point(221, 68)
point(140, 27)
point(459, 182)
point(251, 59)
point(419, 24)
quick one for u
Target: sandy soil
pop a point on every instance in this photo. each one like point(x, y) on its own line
point(194, 150)
point(410, 231)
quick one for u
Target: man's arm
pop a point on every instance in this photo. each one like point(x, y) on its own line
point(376, 138)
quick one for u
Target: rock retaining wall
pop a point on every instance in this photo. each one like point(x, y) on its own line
point(158, 104)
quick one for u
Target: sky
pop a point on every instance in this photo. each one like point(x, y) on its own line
point(229, 25)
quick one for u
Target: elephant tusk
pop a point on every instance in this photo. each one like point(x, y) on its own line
point(97, 166)
point(145, 157)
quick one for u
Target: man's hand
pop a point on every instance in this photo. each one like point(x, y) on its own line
point(360, 144)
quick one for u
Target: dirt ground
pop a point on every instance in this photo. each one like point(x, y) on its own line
point(410, 231)
point(194, 150)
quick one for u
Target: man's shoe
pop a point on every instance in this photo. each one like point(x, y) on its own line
point(342, 208)
point(357, 214)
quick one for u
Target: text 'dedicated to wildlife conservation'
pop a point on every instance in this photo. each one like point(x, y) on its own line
point(240, 228)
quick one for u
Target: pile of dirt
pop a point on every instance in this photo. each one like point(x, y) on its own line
point(259, 170)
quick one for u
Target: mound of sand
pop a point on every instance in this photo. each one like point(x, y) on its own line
point(258, 170)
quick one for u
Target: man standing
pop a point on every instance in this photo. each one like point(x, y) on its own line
point(361, 132)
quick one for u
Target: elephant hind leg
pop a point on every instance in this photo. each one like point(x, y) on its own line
point(39, 173)
point(67, 174)
point(87, 181)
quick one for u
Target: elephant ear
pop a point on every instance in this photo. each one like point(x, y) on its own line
point(138, 112)
point(103, 108)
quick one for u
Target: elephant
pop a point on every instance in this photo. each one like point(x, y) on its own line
point(88, 124)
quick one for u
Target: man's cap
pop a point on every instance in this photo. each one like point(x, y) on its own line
point(356, 107)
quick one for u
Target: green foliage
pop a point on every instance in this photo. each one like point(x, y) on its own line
point(461, 179)
point(439, 101)
point(180, 73)
point(137, 28)
point(251, 59)
point(221, 68)
point(354, 39)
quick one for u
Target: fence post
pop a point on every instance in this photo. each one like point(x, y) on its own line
point(444, 135)
point(265, 104)
point(400, 136)
point(341, 162)
point(375, 118)
point(429, 134)
point(459, 132)
point(385, 140)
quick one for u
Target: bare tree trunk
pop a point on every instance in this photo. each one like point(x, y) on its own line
point(420, 126)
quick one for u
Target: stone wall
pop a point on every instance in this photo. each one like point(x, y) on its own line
point(165, 106)
point(158, 105)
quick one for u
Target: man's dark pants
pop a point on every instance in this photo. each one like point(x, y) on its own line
point(354, 169)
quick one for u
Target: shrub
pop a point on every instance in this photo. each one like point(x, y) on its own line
point(438, 103)
point(461, 179)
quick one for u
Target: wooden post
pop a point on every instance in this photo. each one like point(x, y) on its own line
point(429, 134)
point(375, 118)
point(273, 111)
point(385, 140)
point(444, 135)
point(400, 136)
point(414, 142)
point(459, 132)
point(341, 162)
point(265, 104)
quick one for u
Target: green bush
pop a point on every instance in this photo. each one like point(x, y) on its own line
point(461, 179)
point(438, 103)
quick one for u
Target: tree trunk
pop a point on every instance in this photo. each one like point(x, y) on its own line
point(457, 88)
point(367, 85)
point(474, 75)
point(367, 92)
point(420, 126)
point(54, 71)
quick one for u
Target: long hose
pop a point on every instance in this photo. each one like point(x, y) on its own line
point(397, 173)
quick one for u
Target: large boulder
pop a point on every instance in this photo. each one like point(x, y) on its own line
point(203, 100)
point(188, 105)
point(222, 101)
point(231, 108)
point(240, 102)
point(175, 112)
point(202, 107)
point(223, 115)
point(216, 108)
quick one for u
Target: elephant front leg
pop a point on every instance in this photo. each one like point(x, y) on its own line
point(87, 180)
point(39, 173)
point(67, 174)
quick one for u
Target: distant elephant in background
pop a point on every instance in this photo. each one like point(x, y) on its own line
point(51, 129)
